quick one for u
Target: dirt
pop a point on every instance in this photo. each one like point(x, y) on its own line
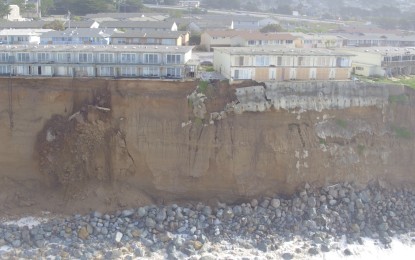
point(81, 145)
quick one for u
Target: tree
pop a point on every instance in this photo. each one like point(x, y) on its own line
point(55, 25)
point(284, 9)
point(46, 6)
point(171, 2)
point(83, 7)
point(4, 10)
point(129, 6)
point(271, 28)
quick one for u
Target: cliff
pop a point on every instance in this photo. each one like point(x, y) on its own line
point(74, 145)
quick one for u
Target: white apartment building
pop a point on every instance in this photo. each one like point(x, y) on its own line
point(95, 61)
point(280, 64)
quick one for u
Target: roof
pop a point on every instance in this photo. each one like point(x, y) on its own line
point(79, 32)
point(390, 51)
point(124, 16)
point(149, 34)
point(134, 24)
point(315, 36)
point(25, 32)
point(280, 51)
point(377, 36)
point(22, 24)
point(222, 33)
point(96, 48)
point(80, 24)
point(247, 35)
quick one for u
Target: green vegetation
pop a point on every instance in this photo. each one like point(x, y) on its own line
point(202, 88)
point(321, 141)
point(407, 81)
point(55, 25)
point(271, 28)
point(342, 123)
point(360, 149)
point(402, 132)
point(198, 121)
point(399, 99)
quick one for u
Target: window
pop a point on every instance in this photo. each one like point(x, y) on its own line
point(128, 58)
point(173, 58)
point(168, 42)
point(279, 61)
point(239, 60)
point(301, 61)
point(85, 57)
point(262, 61)
point(64, 57)
point(23, 56)
point(151, 58)
point(242, 74)
point(174, 72)
point(106, 71)
point(151, 72)
point(128, 71)
point(359, 68)
point(4, 70)
point(43, 56)
point(106, 57)
point(251, 42)
point(4, 56)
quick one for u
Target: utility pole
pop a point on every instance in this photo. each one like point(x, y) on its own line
point(39, 9)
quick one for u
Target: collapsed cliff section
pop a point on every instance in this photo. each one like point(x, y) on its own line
point(80, 144)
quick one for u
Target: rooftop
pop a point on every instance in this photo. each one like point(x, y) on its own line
point(135, 24)
point(279, 51)
point(79, 32)
point(149, 34)
point(95, 48)
point(23, 32)
point(383, 50)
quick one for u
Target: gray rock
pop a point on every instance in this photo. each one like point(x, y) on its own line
point(311, 202)
point(16, 243)
point(324, 248)
point(150, 223)
point(287, 256)
point(313, 251)
point(207, 257)
point(237, 210)
point(254, 203)
point(262, 246)
point(347, 252)
point(275, 203)
point(118, 237)
point(161, 215)
point(127, 212)
point(96, 214)
point(142, 211)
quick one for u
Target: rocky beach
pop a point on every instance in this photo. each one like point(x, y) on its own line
point(331, 222)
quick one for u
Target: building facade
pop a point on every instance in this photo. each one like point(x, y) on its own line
point(268, 64)
point(176, 38)
point(95, 61)
point(383, 61)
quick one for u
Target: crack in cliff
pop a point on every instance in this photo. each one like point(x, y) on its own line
point(124, 138)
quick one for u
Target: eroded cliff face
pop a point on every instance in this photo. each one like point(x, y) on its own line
point(73, 145)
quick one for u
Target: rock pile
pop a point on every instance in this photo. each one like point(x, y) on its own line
point(319, 216)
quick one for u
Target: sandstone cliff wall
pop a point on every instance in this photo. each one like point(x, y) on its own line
point(79, 144)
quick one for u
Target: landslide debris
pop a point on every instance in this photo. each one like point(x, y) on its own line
point(74, 149)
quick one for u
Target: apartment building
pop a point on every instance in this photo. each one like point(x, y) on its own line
point(95, 61)
point(382, 61)
point(21, 36)
point(95, 36)
point(177, 38)
point(280, 64)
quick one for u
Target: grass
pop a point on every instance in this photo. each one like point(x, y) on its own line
point(407, 81)
point(342, 123)
point(321, 141)
point(203, 85)
point(402, 132)
point(399, 99)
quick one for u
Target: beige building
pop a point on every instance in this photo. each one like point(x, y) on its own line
point(280, 64)
point(311, 40)
point(382, 61)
